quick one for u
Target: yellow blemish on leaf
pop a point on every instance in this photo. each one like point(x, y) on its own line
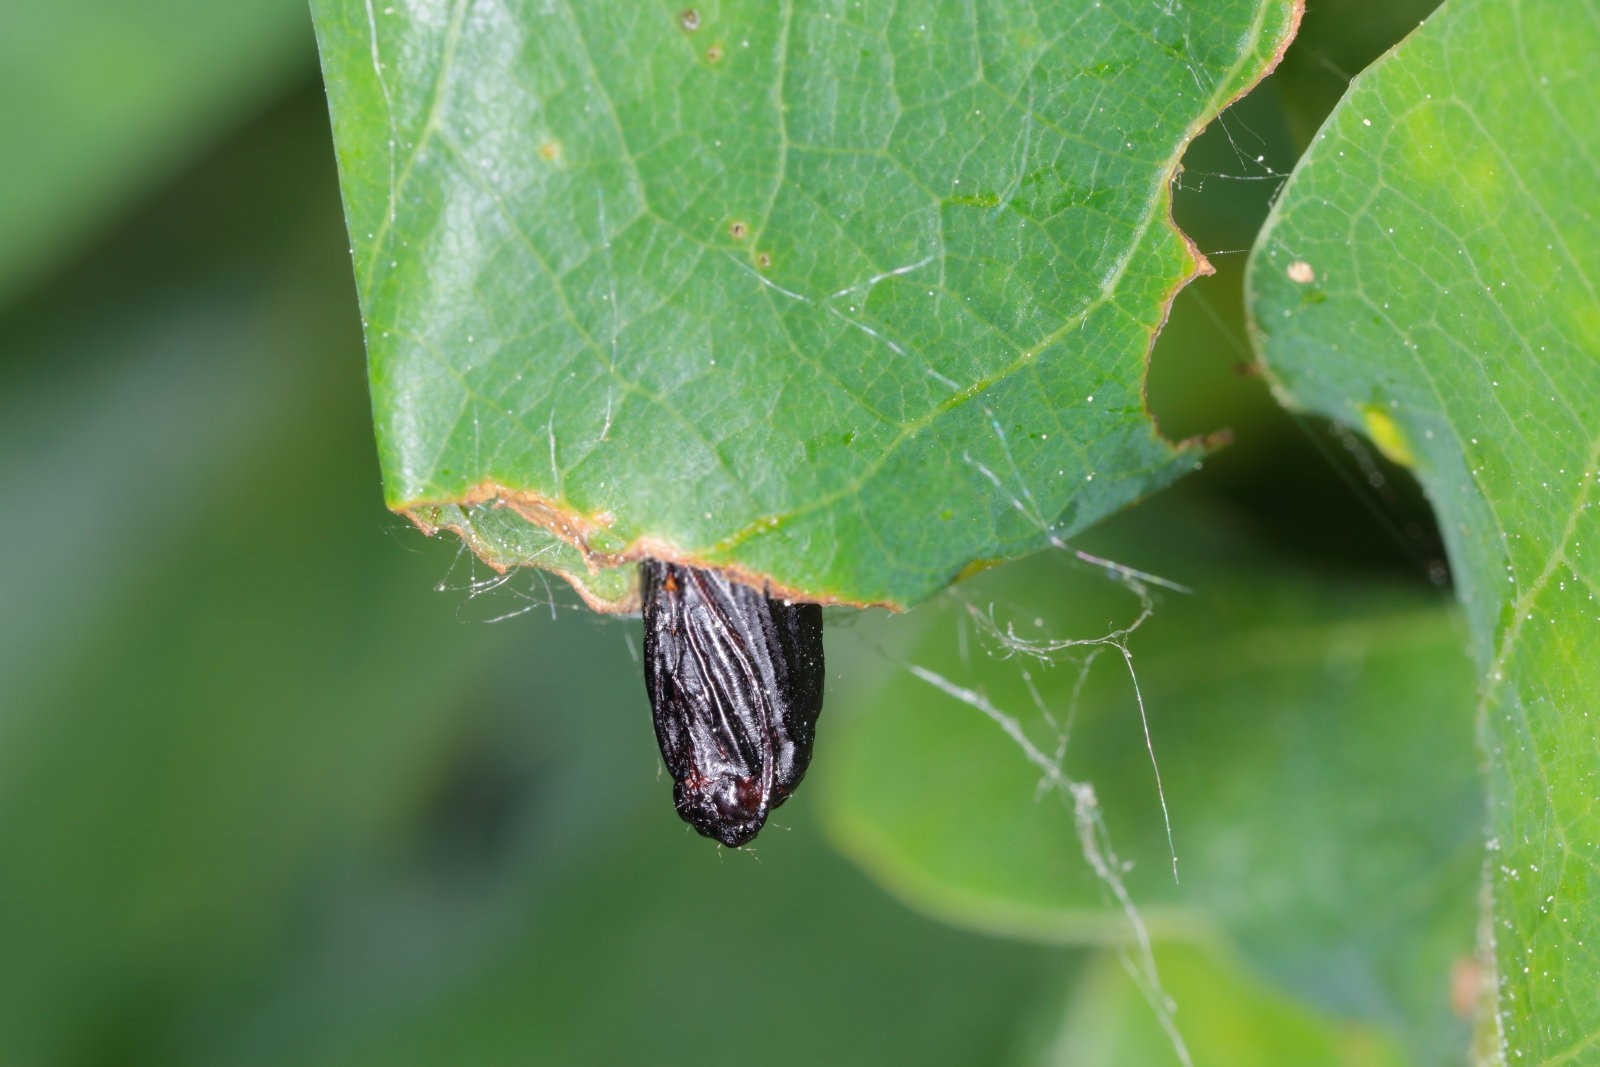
point(977, 566)
point(550, 151)
point(1387, 435)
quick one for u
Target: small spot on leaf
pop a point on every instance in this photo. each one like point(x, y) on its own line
point(714, 53)
point(689, 19)
point(763, 260)
point(1387, 435)
point(550, 151)
point(737, 229)
point(1300, 272)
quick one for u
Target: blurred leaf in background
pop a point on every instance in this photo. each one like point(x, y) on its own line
point(1229, 1019)
point(1288, 717)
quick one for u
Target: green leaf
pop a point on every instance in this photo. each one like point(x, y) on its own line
point(1431, 275)
point(1289, 714)
point(842, 297)
point(1229, 1020)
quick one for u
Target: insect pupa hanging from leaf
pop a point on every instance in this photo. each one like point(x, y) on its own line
point(735, 684)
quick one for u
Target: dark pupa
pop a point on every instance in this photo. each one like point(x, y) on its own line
point(735, 683)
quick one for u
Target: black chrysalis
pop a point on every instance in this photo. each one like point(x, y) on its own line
point(735, 683)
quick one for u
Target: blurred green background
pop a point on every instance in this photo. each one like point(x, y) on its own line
point(274, 788)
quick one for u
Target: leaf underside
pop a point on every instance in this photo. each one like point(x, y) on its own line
point(839, 297)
